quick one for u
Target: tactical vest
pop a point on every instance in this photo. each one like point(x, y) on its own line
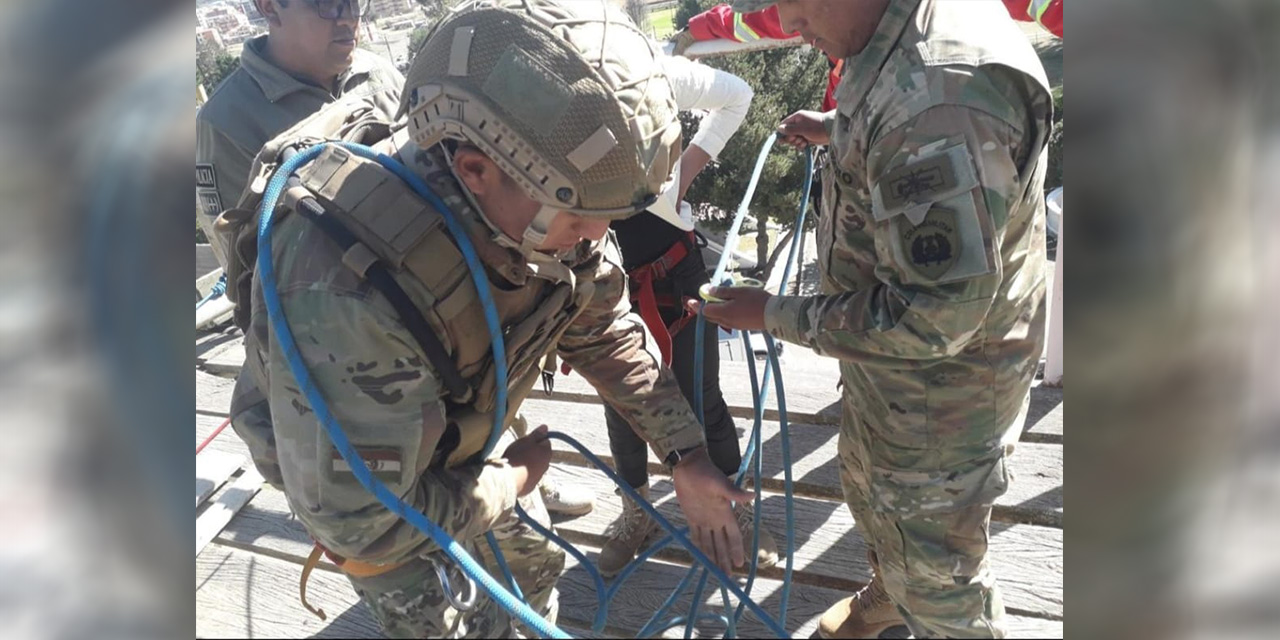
point(392, 228)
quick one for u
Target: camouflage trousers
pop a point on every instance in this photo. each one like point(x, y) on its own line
point(409, 602)
point(926, 524)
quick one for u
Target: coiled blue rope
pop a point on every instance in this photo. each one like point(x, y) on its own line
point(470, 567)
point(759, 394)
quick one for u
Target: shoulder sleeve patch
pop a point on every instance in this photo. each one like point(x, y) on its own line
point(205, 176)
point(209, 201)
point(912, 187)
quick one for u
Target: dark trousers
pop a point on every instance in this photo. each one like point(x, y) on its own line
point(630, 453)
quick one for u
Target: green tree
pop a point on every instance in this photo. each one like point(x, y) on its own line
point(785, 80)
point(213, 66)
point(1053, 173)
point(416, 39)
point(688, 9)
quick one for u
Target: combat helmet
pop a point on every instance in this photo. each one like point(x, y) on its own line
point(568, 99)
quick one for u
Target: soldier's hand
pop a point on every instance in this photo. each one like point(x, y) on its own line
point(803, 128)
point(705, 494)
point(742, 309)
point(529, 457)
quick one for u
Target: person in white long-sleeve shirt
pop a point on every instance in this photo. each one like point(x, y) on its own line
point(660, 252)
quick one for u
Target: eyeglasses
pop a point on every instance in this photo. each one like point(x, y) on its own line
point(334, 9)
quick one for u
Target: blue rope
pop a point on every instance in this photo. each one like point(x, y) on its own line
point(219, 288)
point(698, 556)
point(512, 603)
point(602, 605)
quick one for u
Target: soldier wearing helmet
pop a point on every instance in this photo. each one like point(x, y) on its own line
point(537, 124)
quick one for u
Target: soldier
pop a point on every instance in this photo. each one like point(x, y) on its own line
point(538, 124)
point(931, 253)
point(307, 60)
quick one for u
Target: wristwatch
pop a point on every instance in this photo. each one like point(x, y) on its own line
point(677, 455)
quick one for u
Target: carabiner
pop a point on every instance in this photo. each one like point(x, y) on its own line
point(457, 602)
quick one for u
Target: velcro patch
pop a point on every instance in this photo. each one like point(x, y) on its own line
point(210, 202)
point(933, 246)
point(915, 185)
point(386, 463)
point(205, 176)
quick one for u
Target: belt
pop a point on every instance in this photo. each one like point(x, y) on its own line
point(353, 568)
point(648, 303)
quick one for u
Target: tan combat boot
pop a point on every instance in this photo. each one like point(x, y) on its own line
point(866, 614)
point(767, 556)
point(626, 534)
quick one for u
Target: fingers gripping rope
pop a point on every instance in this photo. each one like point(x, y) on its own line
point(471, 569)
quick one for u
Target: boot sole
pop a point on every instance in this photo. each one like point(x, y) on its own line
point(579, 511)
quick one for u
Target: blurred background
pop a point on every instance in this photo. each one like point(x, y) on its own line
point(1172, 325)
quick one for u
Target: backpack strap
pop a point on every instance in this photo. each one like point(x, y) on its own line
point(359, 258)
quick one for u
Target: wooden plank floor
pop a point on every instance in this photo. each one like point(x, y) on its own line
point(246, 579)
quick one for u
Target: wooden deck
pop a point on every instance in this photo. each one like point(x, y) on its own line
point(247, 577)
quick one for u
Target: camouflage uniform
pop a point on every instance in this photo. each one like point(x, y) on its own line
point(417, 437)
point(931, 252)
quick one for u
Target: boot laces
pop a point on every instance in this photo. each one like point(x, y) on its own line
point(633, 517)
point(746, 515)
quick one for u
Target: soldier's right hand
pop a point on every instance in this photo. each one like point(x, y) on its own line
point(529, 458)
point(803, 128)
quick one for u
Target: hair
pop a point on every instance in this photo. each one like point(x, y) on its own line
point(257, 4)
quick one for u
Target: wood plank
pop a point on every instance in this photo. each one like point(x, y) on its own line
point(225, 362)
point(213, 469)
point(1045, 417)
point(1035, 496)
point(214, 312)
point(808, 379)
point(227, 442)
point(215, 338)
point(240, 594)
point(1027, 559)
point(809, 382)
point(251, 593)
point(221, 511)
point(206, 261)
point(206, 279)
point(649, 587)
point(213, 393)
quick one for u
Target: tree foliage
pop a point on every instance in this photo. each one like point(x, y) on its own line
point(1053, 174)
point(416, 38)
point(213, 66)
point(687, 9)
point(785, 80)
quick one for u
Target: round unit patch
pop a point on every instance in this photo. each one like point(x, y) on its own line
point(932, 246)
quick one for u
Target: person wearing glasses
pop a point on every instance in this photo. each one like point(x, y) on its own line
point(307, 59)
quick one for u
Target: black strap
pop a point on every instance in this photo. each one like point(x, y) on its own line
point(381, 279)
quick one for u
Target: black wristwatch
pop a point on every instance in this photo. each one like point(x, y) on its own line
point(677, 455)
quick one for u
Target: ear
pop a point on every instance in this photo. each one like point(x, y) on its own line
point(477, 171)
point(269, 10)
